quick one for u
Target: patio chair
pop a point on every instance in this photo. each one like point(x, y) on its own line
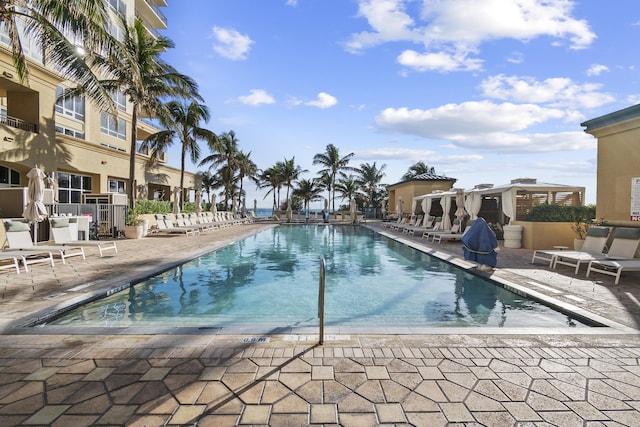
point(594, 242)
point(613, 268)
point(61, 233)
point(165, 226)
point(452, 236)
point(19, 238)
point(624, 247)
point(26, 257)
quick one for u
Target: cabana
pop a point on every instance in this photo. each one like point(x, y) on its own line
point(516, 199)
point(446, 201)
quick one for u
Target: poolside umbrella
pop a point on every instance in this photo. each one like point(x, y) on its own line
point(35, 211)
point(234, 208)
point(326, 205)
point(176, 200)
point(214, 208)
point(255, 207)
point(460, 210)
point(198, 202)
point(480, 243)
point(352, 210)
point(244, 207)
point(399, 209)
point(414, 205)
point(384, 206)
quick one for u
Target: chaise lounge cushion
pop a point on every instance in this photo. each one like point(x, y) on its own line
point(13, 225)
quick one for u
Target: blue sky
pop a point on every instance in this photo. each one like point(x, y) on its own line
point(484, 91)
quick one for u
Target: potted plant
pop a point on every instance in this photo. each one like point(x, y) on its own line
point(133, 225)
point(580, 226)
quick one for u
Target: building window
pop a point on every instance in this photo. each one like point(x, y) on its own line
point(117, 186)
point(113, 126)
point(119, 6)
point(9, 177)
point(72, 106)
point(72, 186)
point(70, 132)
point(119, 99)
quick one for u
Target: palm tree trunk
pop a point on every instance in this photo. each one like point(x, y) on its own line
point(132, 157)
point(184, 152)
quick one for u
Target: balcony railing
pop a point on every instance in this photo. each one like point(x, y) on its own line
point(18, 124)
point(157, 11)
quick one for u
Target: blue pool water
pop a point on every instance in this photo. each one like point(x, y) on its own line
point(271, 280)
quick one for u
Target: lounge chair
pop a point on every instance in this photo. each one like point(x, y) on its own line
point(19, 238)
point(613, 268)
point(425, 226)
point(452, 235)
point(62, 236)
point(624, 247)
point(165, 226)
point(26, 257)
point(435, 229)
point(594, 242)
point(415, 222)
point(455, 229)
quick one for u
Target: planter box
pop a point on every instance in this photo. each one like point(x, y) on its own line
point(546, 235)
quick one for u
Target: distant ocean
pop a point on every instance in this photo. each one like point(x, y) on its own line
point(267, 213)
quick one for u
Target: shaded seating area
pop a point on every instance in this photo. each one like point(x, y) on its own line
point(595, 242)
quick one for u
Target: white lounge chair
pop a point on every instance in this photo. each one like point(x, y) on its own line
point(594, 243)
point(165, 226)
point(26, 256)
point(62, 236)
point(455, 229)
point(624, 247)
point(452, 235)
point(12, 259)
point(19, 238)
point(435, 229)
point(613, 268)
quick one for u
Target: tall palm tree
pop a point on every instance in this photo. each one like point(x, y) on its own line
point(369, 178)
point(271, 178)
point(309, 190)
point(182, 122)
point(246, 168)
point(207, 182)
point(223, 155)
point(347, 186)
point(135, 68)
point(333, 164)
point(69, 34)
point(290, 172)
point(418, 169)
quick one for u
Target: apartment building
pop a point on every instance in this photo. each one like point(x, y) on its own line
point(84, 149)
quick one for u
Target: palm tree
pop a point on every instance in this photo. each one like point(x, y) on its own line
point(418, 169)
point(270, 178)
point(69, 34)
point(290, 172)
point(224, 155)
point(246, 168)
point(182, 122)
point(308, 190)
point(208, 182)
point(369, 178)
point(135, 68)
point(333, 164)
point(347, 186)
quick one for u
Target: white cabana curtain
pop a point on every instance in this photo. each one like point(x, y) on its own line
point(509, 203)
point(414, 205)
point(445, 202)
point(426, 207)
point(473, 203)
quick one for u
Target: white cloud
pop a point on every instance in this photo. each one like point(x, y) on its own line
point(323, 101)
point(485, 126)
point(450, 29)
point(231, 44)
point(414, 155)
point(439, 61)
point(256, 97)
point(292, 2)
point(557, 91)
point(596, 69)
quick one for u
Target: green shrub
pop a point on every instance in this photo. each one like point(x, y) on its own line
point(559, 213)
point(153, 206)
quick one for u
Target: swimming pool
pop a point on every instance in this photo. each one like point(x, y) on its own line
point(270, 280)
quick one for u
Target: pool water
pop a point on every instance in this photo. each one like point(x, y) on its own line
point(271, 279)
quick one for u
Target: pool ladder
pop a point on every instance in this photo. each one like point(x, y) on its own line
point(321, 300)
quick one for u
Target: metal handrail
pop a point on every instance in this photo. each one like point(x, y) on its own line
point(321, 300)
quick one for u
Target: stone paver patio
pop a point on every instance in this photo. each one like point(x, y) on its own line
point(492, 378)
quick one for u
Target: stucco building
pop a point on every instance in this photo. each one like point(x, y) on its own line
point(618, 179)
point(417, 186)
point(84, 149)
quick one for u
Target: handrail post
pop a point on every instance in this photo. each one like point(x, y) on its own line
point(321, 300)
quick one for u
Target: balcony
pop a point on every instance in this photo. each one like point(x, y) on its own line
point(151, 14)
point(18, 124)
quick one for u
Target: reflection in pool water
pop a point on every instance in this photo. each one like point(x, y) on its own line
point(271, 280)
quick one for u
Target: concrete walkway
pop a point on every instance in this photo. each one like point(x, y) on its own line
point(526, 377)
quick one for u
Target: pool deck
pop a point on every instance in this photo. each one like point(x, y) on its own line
point(489, 377)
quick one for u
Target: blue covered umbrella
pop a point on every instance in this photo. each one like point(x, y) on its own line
point(480, 243)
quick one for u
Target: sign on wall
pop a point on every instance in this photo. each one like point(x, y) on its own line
point(635, 199)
